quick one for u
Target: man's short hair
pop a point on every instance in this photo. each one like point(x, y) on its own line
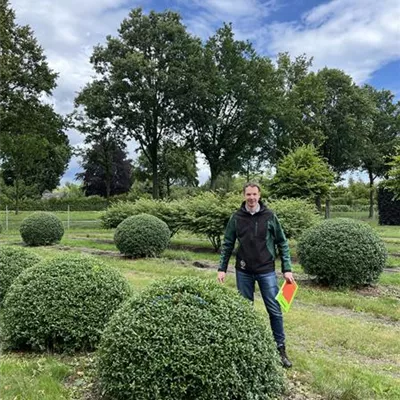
point(251, 184)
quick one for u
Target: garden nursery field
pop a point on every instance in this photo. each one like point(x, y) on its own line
point(344, 344)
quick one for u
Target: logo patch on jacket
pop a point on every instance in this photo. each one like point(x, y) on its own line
point(242, 264)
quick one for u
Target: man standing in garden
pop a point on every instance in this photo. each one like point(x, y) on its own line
point(258, 232)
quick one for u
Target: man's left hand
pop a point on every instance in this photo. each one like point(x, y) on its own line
point(288, 277)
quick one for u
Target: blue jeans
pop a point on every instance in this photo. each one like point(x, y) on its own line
point(268, 285)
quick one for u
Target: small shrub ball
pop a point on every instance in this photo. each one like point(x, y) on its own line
point(343, 253)
point(13, 261)
point(41, 229)
point(62, 304)
point(142, 235)
point(188, 339)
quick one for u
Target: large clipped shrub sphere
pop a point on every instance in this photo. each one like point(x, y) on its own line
point(342, 252)
point(13, 261)
point(188, 339)
point(41, 229)
point(142, 235)
point(62, 304)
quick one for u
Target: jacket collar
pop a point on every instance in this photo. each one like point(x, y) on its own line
point(262, 208)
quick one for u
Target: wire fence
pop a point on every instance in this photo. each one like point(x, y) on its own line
point(70, 219)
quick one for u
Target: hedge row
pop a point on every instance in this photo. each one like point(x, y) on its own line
point(208, 214)
point(91, 203)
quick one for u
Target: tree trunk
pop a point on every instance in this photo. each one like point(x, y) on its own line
point(168, 185)
point(371, 195)
point(108, 188)
point(318, 203)
point(327, 208)
point(154, 164)
point(213, 181)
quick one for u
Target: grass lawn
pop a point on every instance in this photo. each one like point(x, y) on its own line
point(344, 344)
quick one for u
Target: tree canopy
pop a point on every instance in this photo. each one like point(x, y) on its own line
point(34, 149)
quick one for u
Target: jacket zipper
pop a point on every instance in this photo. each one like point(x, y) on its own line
point(256, 228)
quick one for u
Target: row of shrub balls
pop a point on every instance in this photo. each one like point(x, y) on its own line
point(337, 252)
point(182, 338)
point(137, 236)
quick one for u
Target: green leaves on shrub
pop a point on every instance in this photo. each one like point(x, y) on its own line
point(12, 262)
point(208, 214)
point(295, 215)
point(342, 252)
point(169, 212)
point(142, 236)
point(41, 229)
point(188, 339)
point(62, 304)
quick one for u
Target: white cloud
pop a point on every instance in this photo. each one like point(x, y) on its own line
point(358, 36)
point(203, 170)
point(238, 8)
point(207, 15)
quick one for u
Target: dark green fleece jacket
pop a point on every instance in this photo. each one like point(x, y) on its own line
point(258, 236)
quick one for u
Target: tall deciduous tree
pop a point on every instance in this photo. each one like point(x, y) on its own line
point(232, 102)
point(334, 116)
point(107, 171)
point(147, 71)
point(380, 142)
point(31, 132)
point(284, 132)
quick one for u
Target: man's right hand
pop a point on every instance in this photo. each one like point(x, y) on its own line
point(221, 276)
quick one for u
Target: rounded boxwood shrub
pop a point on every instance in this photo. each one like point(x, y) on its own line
point(142, 235)
point(12, 262)
point(187, 339)
point(62, 304)
point(342, 252)
point(41, 229)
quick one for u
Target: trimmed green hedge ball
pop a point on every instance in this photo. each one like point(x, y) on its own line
point(41, 229)
point(13, 261)
point(187, 339)
point(342, 252)
point(62, 304)
point(142, 235)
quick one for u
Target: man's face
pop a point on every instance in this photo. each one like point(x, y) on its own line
point(251, 196)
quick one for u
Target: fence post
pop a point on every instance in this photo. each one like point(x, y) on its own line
point(68, 218)
point(6, 218)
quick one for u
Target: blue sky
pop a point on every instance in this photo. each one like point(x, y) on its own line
point(361, 37)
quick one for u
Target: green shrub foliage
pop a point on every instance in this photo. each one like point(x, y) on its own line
point(169, 212)
point(142, 236)
point(342, 252)
point(187, 339)
point(62, 304)
point(41, 229)
point(208, 214)
point(12, 262)
point(295, 215)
